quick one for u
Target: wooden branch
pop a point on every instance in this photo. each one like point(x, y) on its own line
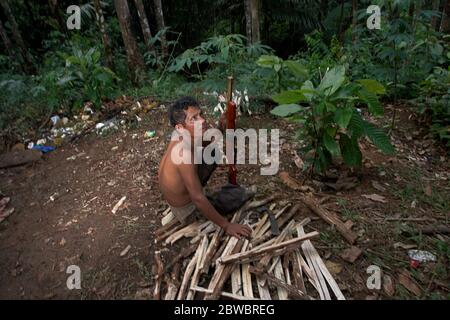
point(183, 232)
point(252, 253)
point(297, 272)
point(329, 218)
point(159, 275)
point(166, 227)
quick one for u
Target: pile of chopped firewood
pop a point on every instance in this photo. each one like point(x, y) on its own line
point(280, 264)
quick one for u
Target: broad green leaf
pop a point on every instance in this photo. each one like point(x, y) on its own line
point(296, 68)
point(372, 86)
point(287, 97)
point(308, 90)
point(378, 138)
point(350, 150)
point(285, 110)
point(268, 61)
point(342, 116)
point(332, 80)
point(372, 102)
point(331, 144)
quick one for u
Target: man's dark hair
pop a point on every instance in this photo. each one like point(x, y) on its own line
point(176, 110)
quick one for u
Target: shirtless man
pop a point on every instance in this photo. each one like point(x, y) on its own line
point(180, 183)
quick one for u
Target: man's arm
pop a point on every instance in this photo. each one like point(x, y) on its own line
point(194, 187)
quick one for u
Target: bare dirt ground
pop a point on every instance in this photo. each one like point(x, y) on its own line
point(43, 237)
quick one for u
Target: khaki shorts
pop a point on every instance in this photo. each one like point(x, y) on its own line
point(181, 213)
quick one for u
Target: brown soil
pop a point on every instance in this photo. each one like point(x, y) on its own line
point(43, 237)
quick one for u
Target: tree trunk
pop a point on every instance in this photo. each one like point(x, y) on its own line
point(248, 21)
point(161, 25)
point(254, 7)
point(56, 15)
point(324, 8)
point(341, 23)
point(105, 38)
point(6, 41)
point(434, 19)
point(29, 65)
point(445, 22)
point(144, 25)
point(134, 57)
point(354, 18)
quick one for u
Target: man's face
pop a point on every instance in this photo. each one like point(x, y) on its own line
point(194, 118)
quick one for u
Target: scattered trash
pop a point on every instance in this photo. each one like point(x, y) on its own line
point(41, 142)
point(118, 205)
point(54, 196)
point(125, 251)
point(421, 256)
point(44, 149)
point(55, 120)
point(150, 134)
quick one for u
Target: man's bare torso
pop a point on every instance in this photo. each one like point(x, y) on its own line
point(170, 182)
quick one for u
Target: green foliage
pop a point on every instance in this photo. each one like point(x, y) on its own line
point(85, 78)
point(330, 122)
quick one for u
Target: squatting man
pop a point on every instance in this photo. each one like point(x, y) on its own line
point(184, 170)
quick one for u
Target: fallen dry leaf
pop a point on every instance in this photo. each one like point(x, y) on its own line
point(375, 197)
point(351, 254)
point(388, 285)
point(378, 186)
point(294, 183)
point(404, 246)
point(427, 190)
point(404, 279)
point(334, 267)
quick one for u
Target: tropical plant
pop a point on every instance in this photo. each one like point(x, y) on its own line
point(331, 123)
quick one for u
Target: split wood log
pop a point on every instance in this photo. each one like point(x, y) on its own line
point(168, 218)
point(159, 275)
point(173, 283)
point(290, 225)
point(329, 218)
point(297, 272)
point(183, 254)
point(222, 272)
point(279, 274)
point(266, 259)
point(171, 231)
point(254, 253)
point(263, 291)
point(187, 275)
point(246, 277)
point(167, 227)
point(200, 256)
point(236, 275)
point(224, 294)
point(193, 227)
point(266, 226)
point(292, 291)
point(320, 265)
point(281, 221)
